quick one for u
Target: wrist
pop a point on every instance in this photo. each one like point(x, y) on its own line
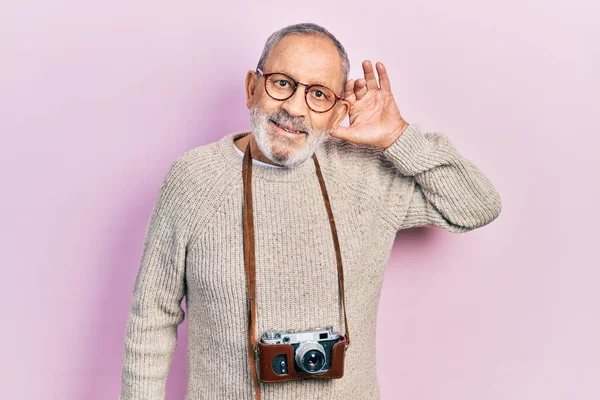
point(395, 135)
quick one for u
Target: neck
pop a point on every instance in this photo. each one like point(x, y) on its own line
point(242, 142)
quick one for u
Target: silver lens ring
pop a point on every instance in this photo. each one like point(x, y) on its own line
point(314, 350)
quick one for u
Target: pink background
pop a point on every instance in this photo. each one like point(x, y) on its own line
point(98, 97)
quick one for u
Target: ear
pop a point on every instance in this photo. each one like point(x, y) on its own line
point(251, 85)
point(340, 112)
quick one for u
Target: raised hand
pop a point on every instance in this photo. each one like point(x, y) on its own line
point(375, 119)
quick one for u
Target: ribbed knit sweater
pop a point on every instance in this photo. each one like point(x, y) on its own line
point(193, 247)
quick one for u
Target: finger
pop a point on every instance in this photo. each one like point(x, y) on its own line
point(369, 75)
point(384, 80)
point(349, 92)
point(360, 88)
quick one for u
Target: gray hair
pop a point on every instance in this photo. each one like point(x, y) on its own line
point(305, 29)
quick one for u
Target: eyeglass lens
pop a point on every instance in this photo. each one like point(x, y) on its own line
point(281, 87)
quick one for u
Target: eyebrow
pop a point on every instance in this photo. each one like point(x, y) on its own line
point(316, 82)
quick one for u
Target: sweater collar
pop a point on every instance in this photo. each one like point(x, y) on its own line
point(285, 174)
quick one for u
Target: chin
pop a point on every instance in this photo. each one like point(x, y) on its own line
point(289, 159)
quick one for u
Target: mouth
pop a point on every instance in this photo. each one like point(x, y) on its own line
point(288, 129)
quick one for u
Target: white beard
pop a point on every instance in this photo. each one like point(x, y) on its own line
point(276, 148)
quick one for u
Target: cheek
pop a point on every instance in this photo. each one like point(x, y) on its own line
point(267, 104)
point(267, 101)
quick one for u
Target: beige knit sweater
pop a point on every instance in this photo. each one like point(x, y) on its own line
point(193, 247)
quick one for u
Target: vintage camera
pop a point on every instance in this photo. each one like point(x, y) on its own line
point(313, 353)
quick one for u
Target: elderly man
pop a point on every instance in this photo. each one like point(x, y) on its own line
point(381, 175)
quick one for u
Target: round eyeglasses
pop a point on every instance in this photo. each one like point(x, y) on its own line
point(281, 87)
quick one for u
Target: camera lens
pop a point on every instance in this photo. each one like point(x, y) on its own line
point(313, 361)
point(310, 357)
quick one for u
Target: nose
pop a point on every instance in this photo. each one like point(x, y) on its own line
point(296, 105)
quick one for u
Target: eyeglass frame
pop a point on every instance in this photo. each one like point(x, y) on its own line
point(296, 83)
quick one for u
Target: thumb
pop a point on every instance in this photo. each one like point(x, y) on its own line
point(348, 133)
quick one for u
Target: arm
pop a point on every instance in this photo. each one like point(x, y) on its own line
point(445, 189)
point(155, 310)
point(448, 190)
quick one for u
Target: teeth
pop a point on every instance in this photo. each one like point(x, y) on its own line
point(287, 130)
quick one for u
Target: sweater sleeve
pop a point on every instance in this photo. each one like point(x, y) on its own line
point(447, 190)
point(159, 287)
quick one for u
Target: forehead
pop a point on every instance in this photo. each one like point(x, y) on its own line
point(308, 59)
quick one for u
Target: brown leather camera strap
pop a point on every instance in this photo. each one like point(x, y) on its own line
point(249, 260)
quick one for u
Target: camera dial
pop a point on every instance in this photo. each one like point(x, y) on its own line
point(272, 334)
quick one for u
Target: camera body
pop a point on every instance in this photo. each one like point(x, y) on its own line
point(313, 353)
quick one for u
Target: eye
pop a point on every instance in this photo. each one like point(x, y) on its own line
point(319, 94)
point(282, 83)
